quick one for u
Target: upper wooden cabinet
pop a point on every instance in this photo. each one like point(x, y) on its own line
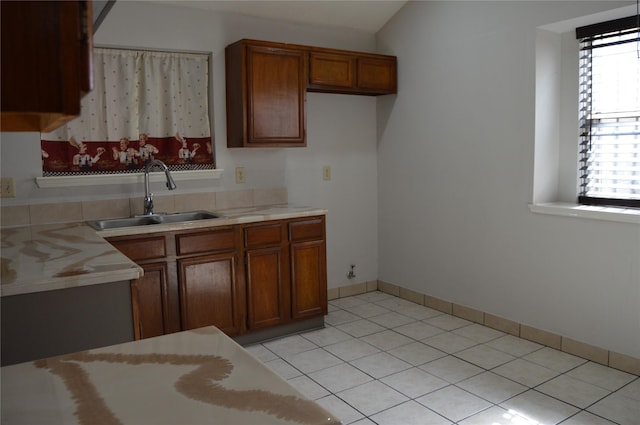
point(46, 63)
point(266, 85)
point(351, 73)
point(331, 70)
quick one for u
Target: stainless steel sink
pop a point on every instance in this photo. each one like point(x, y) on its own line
point(146, 220)
point(188, 216)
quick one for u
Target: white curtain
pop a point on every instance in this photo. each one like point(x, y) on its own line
point(144, 105)
point(135, 92)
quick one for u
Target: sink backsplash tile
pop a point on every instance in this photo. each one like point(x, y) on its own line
point(66, 212)
point(195, 202)
point(234, 199)
point(270, 196)
point(14, 215)
point(55, 213)
point(109, 208)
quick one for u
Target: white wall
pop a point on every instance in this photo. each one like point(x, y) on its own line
point(340, 131)
point(456, 167)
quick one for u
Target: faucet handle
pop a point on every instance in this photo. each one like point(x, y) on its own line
point(148, 204)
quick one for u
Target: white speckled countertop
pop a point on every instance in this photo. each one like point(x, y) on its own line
point(192, 377)
point(57, 256)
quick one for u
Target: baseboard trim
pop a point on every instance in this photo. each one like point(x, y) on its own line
point(562, 343)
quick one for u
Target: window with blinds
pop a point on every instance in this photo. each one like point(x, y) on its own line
point(609, 105)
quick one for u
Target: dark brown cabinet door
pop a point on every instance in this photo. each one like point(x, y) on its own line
point(308, 279)
point(149, 302)
point(267, 290)
point(209, 292)
point(46, 62)
point(335, 70)
point(275, 88)
point(308, 255)
point(377, 75)
point(266, 93)
point(267, 274)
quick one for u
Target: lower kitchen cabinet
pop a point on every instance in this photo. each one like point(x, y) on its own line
point(266, 288)
point(267, 275)
point(286, 271)
point(208, 292)
point(190, 280)
point(308, 275)
point(154, 296)
point(149, 301)
point(241, 278)
point(308, 267)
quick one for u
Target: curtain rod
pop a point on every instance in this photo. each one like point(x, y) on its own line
point(147, 49)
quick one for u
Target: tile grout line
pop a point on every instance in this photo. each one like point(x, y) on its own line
point(477, 343)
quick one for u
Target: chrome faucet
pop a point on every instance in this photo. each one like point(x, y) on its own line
point(148, 196)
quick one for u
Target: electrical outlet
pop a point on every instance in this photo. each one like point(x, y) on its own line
point(7, 187)
point(326, 172)
point(240, 175)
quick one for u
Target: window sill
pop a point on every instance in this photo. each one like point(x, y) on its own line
point(133, 178)
point(619, 214)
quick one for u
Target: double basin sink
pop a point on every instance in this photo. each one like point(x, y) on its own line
point(147, 220)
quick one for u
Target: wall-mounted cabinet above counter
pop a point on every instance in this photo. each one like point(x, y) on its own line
point(351, 73)
point(267, 84)
point(46, 63)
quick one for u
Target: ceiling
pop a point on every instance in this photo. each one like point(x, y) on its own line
point(363, 15)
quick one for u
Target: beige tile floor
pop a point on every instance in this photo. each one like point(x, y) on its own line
point(384, 360)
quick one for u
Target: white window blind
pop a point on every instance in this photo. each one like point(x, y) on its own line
point(610, 113)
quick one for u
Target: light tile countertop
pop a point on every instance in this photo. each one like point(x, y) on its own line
point(56, 256)
point(192, 377)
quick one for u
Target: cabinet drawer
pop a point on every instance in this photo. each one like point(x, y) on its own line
point(263, 235)
point(142, 248)
point(195, 243)
point(306, 230)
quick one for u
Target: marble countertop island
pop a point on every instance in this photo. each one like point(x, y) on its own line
point(56, 256)
point(192, 377)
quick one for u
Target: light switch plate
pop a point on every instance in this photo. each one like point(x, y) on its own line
point(7, 187)
point(240, 175)
point(326, 172)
